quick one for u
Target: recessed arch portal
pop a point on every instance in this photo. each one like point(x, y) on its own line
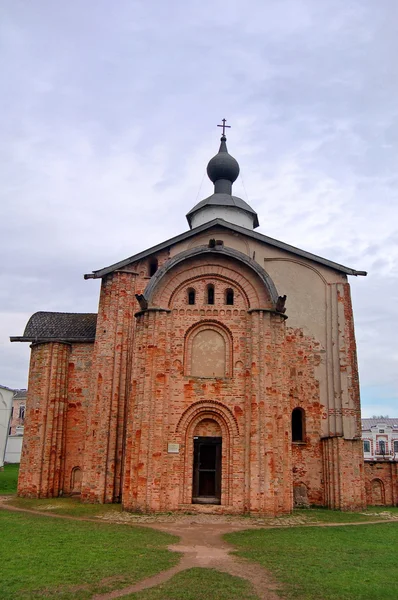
point(208, 417)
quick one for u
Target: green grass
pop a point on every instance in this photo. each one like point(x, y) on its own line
point(332, 563)
point(9, 479)
point(199, 584)
point(68, 559)
point(66, 506)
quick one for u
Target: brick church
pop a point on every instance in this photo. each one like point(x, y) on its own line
point(220, 370)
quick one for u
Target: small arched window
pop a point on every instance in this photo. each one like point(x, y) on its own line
point(210, 294)
point(298, 425)
point(153, 266)
point(229, 296)
point(191, 296)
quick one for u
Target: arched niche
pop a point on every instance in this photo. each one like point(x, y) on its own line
point(378, 496)
point(208, 351)
point(76, 480)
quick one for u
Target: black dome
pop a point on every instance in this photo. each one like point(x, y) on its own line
point(223, 165)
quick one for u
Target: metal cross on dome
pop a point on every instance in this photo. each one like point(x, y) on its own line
point(224, 127)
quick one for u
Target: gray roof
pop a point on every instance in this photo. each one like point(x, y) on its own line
point(224, 200)
point(20, 394)
point(232, 227)
point(57, 326)
point(368, 423)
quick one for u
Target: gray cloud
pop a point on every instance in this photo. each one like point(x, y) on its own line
point(108, 119)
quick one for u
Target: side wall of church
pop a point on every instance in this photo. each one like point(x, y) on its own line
point(43, 449)
point(56, 410)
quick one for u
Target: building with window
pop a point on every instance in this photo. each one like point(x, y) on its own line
point(380, 439)
point(6, 395)
point(16, 427)
point(380, 449)
point(219, 374)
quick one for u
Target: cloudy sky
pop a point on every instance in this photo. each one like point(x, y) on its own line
point(108, 118)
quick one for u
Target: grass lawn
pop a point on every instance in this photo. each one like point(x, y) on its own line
point(66, 506)
point(9, 479)
point(332, 563)
point(73, 559)
point(199, 584)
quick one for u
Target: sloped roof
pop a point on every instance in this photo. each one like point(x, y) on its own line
point(369, 423)
point(232, 227)
point(57, 326)
point(223, 200)
point(20, 394)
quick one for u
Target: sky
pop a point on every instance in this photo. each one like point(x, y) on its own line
point(108, 119)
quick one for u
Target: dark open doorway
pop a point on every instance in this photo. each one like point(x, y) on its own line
point(207, 470)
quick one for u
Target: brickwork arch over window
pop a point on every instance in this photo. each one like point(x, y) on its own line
point(298, 425)
point(208, 351)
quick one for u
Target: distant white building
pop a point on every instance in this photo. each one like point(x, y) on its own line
point(16, 427)
point(380, 439)
point(6, 396)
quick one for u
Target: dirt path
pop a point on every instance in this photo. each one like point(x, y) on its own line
point(201, 545)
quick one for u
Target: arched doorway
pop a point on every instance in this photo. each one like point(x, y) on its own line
point(207, 462)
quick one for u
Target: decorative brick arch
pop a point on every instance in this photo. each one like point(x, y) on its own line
point(257, 271)
point(212, 408)
point(203, 326)
point(215, 411)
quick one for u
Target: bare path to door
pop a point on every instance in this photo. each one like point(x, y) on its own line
point(201, 545)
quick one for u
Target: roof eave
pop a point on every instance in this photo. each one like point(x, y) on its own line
point(237, 228)
point(42, 340)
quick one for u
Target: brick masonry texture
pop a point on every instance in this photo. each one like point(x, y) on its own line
point(381, 480)
point(103, 416)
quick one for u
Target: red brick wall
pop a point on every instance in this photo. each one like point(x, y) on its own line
point(43, 450)
point(381, 480)
point(110, 379)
